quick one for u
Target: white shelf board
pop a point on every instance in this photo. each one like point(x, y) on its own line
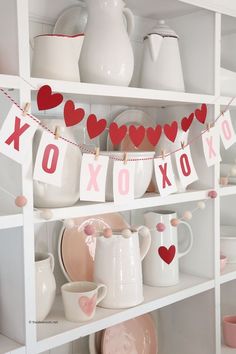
point(9, 221)
point(103, 94)
point(227, 350)
point(227, 7)
point(8, 346)
point(228, 274)
point(149, 200)
point(227, 190)
point(10, 81)
point(56, 330)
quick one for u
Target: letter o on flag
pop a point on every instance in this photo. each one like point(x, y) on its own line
point(50, 158)
point(185, 166)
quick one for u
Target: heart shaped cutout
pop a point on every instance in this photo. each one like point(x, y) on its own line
point(87, 304)
point(136, 134)
point(167, 254)
point(201, 113)
point(186, 122)
point(94, 126)
point(117, 134)
point(171, 130)
point(154, 135)
point(46, 99)
point(72, 116)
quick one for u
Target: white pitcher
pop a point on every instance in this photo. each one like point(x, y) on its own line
point(45, 284)
point(118, 266)
point(107, 55)
point(161, 265)
point(161, 67)
point(56, 56)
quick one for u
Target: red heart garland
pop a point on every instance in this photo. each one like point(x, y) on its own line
point(201, 113)
point(154, 135)
point(167, 254)
point(46, 99)
point(72, 116)
point(117, 134)
point(186, 122)
point(171, 130)
point(95, 127)
point(136, 134)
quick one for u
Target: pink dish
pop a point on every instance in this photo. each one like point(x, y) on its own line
point(76, 250)
point(229, 331)
point(223, 261)
point(136, 336)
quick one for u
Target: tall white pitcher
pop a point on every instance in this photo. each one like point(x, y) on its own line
point(161, 265)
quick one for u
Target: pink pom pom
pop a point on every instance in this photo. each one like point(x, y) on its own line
point(21, 201)
point(175, 222)
point(160, 227)
point(212, 194)
point(107, 233)
point(89, 230)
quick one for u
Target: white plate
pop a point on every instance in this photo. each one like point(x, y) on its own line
point(72, 21)
point(129, 117)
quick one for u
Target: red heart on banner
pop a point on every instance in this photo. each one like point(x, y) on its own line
point(154, 134)
point(136, 134)
point(201, 113)
point(167, 254)
point(46, 99)
point(117, 134)
point(95, 127)
point(72, 116)
point(186, 122)
point(171, 130)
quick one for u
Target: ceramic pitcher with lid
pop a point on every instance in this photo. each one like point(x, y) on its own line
point(161, 67)
point(118, 265)
point(107, 55)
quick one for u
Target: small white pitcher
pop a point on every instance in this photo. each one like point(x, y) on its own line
point(56, 56)
point(45, 284)
point(161, 265)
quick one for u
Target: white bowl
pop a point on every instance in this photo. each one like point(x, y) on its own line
point(143, 171)
point(228, 243)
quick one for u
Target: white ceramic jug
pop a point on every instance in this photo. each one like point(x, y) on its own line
point(45, 284)
point(56, 56)
point(161, 67)
point(47, 195)
point(107, 55)
point(118, 266)
point(161, 265)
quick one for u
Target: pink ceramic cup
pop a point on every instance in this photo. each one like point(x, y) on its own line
point(223, 261)
point(229, 330)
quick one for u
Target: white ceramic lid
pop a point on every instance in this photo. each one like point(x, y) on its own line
point(163, 30)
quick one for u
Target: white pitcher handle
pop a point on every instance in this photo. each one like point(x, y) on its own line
point(145, 234)
point(52, 262)
point(181, 254)
point(129, 19)
point(31, 43)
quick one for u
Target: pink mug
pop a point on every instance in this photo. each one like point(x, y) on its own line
point(229, 330)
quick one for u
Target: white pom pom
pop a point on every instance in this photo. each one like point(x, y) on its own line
point(69, 224)
point(126, 233)
point(46, 214)
point(201, 205)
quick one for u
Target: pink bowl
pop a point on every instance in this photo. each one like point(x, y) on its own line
point(223, 261)
point(229, 330)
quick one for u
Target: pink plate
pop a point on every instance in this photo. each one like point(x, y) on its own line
point(136, 336)
point(76, 250)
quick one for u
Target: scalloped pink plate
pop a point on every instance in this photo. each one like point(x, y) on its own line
point(76, 250)
point(136, 336)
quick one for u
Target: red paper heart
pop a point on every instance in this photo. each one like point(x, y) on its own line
point(201, 113)
point(46, 99)
point(186, 122)
point(117, 134)
point(87, 304)
point(154, 134)
point(171, 130)
point(95, 127)
point(72, 116)
point(136, 134)
point(167, 254)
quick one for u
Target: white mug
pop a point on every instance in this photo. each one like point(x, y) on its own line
point(80, 299)
point(161, 265)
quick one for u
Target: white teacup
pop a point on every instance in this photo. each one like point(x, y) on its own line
point(80, 299)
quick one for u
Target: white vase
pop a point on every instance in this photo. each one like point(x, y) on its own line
point(107, 55)
point(45, 284)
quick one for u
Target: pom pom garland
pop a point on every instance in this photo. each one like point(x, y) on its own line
point(69, 224)
point(107, 232)
point(46, 214)
point(160, 227)
point(187, 215)
point(89, 230)
point(21, 201)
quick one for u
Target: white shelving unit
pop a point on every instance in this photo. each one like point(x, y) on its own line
point(192, 305)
